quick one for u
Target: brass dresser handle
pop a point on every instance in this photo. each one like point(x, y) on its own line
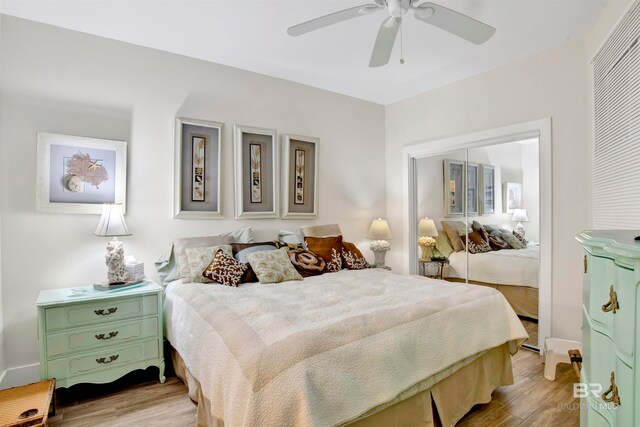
point(104, 360)
point(585, 264)
point(106, 337)
point(109, 311)
point(612, 305)
point(613, 390)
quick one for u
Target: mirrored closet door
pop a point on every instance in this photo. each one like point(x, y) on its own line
point(481, 207)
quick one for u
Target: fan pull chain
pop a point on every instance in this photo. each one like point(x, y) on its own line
point(401, 51)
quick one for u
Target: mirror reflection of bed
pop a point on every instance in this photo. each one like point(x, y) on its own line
point(485, 204)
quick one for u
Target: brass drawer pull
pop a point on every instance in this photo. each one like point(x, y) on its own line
point(612, 305)
point(585, 264)
point(613, 390)
point(109, 311)
point(104, 360)
point(106, 337)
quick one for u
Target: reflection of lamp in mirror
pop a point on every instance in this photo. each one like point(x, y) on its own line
point(112, 225)
point(520, 215)
point(379, 232)
point(426, 233)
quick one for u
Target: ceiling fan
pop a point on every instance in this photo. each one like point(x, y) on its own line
point(444, 18)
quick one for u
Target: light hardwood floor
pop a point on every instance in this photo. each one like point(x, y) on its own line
point(531, 401)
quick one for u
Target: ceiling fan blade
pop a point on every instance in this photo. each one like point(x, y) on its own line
point(454, 22)
point(384, 42)
point(332, 18)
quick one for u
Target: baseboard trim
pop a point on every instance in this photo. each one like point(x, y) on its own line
point(20, 375)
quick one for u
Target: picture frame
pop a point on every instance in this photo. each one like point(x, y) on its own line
point(300, 180)
point(197, 169)
point(78, 174)
point(472, 189)
point(453, 181)
point(512, 198)
point(256, 172)
point(487, 194)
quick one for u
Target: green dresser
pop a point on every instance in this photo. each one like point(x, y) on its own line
point(89, 336)
point(610, 374)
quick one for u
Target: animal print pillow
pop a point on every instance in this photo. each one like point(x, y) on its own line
point(199, 259)
point(224, 269)
point(520, 237)
point(352, 258)
point(475, 243)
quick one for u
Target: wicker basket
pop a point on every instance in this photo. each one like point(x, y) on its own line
point(27, 405)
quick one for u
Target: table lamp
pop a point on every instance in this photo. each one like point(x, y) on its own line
point(379, 232)
point(426, 233)
point(112, 225)
point(520, 215)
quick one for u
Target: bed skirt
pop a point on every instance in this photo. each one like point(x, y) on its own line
point(452, 394)
point(523, 299)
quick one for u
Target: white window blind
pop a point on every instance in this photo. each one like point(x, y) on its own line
point(616, 161)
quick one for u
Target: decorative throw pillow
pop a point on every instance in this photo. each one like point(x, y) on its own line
point(240, 251)
point(199, 259)
point(512, 240)
point(224, 269)
point(327, 230)
point(497, 243)
point(180, 245)
point(273, 266)
point(476, 226)
point(290, 246)
point(352, 258)
point(476, 243)
point(451, 230)
point(327, 248)
point(520, 237)
point(442, 245)
point(290, 237)
point(306, 262)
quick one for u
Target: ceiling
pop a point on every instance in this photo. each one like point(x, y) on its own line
point(251, 34)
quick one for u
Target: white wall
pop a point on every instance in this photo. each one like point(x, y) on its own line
point(65, 82)
point(3, 366)
point(531, 188)
point(549, 84)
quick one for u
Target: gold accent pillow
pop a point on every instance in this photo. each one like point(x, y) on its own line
point(273, 266)
point(327, 248)
point(451, 230)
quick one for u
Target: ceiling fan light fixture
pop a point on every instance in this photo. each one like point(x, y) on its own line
point(391, 22)
point(424, 13)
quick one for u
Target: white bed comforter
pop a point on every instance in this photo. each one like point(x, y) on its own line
point(325, 350)
point(518, 267)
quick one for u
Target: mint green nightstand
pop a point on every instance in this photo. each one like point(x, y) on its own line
point(88, 336)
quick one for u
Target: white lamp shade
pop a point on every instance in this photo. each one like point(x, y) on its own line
point(112, 221)
point(379, 230)
point(520, 215)
point(426, 227)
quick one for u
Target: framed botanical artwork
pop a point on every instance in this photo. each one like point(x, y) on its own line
point(78, 174)
point(472, 188)
point(512, 196)
point(300, 168)
point(487, 200)
point(256, 178)
point(454, 187)
point(196, 168)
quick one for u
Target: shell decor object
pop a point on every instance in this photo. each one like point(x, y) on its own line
point(73, 183)
point(115, 262)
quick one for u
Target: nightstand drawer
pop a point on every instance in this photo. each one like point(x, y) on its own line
point(103, 360)
point(111, 334)
point(73, 316)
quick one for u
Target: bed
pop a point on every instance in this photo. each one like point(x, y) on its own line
point(514, 272)
point(355, 347)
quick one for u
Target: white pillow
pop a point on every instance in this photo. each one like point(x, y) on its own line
point(241, 235)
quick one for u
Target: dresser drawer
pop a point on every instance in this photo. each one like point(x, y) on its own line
point(601, 276)
point(103, 360)
point(111, 334)
point(76, 315)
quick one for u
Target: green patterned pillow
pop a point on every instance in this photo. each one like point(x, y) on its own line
point(273, 266)
point(199, 259)
point(512, 241)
